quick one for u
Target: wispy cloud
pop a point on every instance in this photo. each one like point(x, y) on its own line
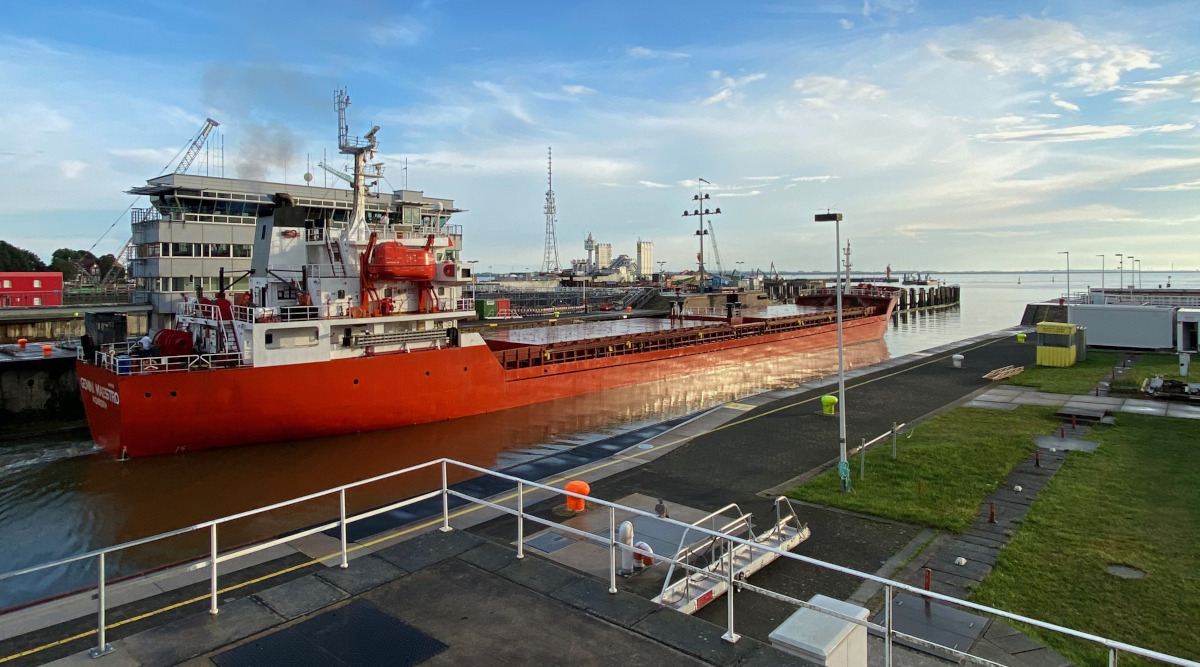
point(1063, 104)
point(401, 31)
point(846, 24)
point(729, 86)
point(1169, 87)
point(644, 52)
point(1044, 48)
point(1176, 187)
point(507, 101)
point(652, 184)
point(806, 179)
point(577, 90)
point(1076, 133)
point(824, 92)
point(72, 168)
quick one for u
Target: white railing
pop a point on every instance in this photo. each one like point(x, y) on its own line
point(128, 364)
point(705, 312)
point(314, 234)
point(206, 311)
point(609, 542)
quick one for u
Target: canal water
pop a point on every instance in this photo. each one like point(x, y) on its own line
point(60, 496)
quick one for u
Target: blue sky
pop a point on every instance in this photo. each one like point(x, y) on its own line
point(952, 136)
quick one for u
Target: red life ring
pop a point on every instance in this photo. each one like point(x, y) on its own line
point(448, 270)
point(290, 233)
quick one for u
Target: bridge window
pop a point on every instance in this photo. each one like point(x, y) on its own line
point(37, 283)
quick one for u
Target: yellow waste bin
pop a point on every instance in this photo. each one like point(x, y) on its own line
point(1020, 338)
point(829, 405)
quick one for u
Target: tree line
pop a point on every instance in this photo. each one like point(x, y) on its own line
point(64, 260)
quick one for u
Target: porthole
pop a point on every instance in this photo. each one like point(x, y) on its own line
point(173, 394)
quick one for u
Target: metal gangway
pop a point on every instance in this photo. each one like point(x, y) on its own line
point(734, 562)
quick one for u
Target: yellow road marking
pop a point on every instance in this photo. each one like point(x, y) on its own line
point(618, 458)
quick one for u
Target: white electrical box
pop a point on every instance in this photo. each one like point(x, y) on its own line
point(824, 639)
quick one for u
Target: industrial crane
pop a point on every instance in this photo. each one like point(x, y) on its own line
point(716, 253)
point(196, 144)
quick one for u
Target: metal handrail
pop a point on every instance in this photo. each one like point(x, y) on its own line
point(215, 558)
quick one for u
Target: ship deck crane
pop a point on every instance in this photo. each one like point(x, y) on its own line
point(716, 253)
point(337, 172)
point(196, 144)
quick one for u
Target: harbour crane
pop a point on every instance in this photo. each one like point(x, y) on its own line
point(196, 144)
point(716, 253)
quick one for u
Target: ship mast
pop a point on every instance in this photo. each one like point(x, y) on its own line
point(361, 150)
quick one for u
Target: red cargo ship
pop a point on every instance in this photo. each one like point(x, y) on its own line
point(355, 330)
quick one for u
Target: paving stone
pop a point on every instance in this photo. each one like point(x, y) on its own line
point(769, 656)
point(591, 595)
point(1068, 444)
point(364, 573)
point(200, 633)
point(425, 550)
point(986, 555)
point(999, 628)
point(972, 569)
point(981, 538)
point(301, 596)
point(540, 575)
point(490, 557)
point(695, 637)
point(1183, 411)
point(1150, 410)
point(1016, 643)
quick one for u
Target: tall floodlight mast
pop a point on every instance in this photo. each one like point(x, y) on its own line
point(550, 256)
point(700, 198)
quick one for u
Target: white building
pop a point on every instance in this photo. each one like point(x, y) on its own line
point(604, 256)
point(645, 258)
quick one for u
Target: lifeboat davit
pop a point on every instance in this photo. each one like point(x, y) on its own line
point(392, 261)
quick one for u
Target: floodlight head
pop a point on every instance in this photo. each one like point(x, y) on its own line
point(828, 217)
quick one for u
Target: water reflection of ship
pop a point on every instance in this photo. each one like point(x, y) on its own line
point(156, 494)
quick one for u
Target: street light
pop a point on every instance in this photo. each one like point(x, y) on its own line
point(1132, 265)
point(843, 464)
point(1101, 277)
point(1139, 273)
point(1120, 273)
point(1068, 254)
point(700, 212)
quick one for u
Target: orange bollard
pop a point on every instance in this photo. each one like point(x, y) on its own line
point(581, 487)
point(46, 350)
point(21, 343)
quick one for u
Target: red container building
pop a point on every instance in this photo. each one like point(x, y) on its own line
point(22, 289)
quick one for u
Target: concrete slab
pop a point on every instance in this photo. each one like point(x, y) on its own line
point(363, 574)
point(200, 633)
point(1038, 400)
point(486, 620)
point(489, 557)
point(120, 657)
point(1107, 401)
point(1183, 411)
point(1065, 444)
point(539, 575)
point(991, 405)
point(623, 608)
point(1138, 408)
point(695, 637)
point(425, 550)
point(301, 596)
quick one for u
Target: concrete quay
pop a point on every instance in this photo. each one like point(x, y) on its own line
point(465, 597)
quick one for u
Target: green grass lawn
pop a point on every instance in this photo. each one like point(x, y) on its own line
point(1136, 502)
point(1078, 379)
point(1147, 366)
point(943, 471)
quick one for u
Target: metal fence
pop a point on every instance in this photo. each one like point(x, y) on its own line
point(610, 542)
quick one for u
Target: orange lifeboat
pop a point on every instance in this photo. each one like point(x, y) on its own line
point(393, 261)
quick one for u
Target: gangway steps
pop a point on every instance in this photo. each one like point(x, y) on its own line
point(230, 337)
point(696, 590)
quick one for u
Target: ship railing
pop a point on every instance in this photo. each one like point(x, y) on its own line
point(206, 311)
point(125, 363)
point(314, 234)
point(704, 312)
point(325, 271)
point(456, 503)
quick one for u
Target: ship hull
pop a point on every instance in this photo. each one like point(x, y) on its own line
point(144, 415)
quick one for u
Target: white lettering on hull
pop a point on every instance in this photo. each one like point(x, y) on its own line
point(101, 396)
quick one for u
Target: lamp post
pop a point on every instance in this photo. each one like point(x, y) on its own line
point(700, 212)
point(1139, 274)
point(1101, 277)
point(843, 464)
point(1132, 265)
point(1120, 273)
point(474, 278)
point(1068, 254)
